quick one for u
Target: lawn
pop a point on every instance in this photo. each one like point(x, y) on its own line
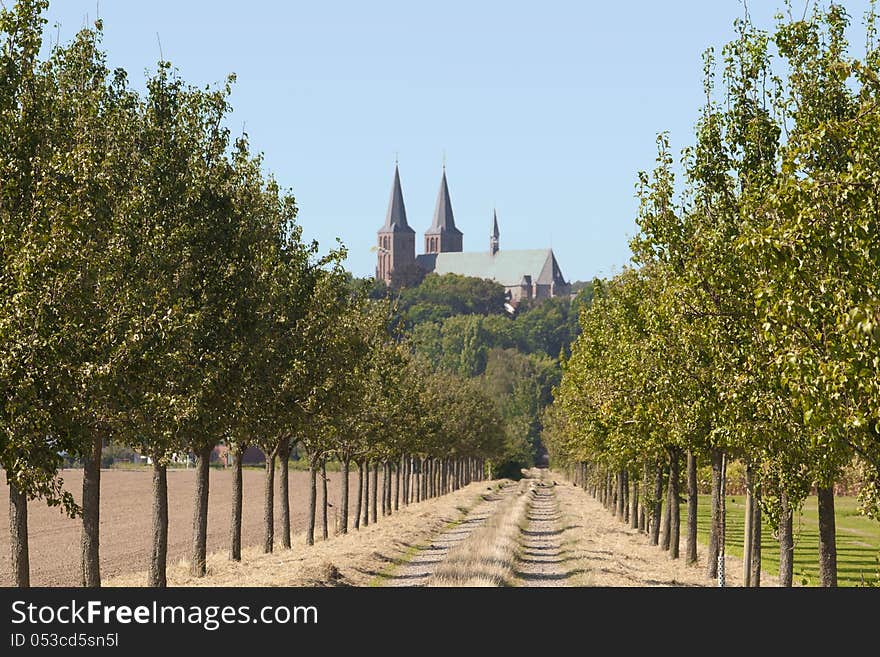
point(858, 540)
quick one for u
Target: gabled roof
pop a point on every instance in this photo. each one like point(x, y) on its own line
point(444, 221)
point(505, 267)
point(395, 220)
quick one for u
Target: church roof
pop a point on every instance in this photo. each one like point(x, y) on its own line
point(505, 267)
point(395, 220)
point(444, 221)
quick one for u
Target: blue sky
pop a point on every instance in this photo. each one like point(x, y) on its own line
point(544, 110)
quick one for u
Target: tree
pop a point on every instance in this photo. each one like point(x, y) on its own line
point(34, 431)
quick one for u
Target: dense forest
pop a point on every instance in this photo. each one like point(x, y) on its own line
point(460, 325)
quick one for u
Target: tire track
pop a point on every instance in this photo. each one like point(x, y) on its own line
point(417, 570)
point(541, 556)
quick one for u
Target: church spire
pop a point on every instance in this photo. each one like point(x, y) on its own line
point(395, 219)
point(443, 236)
point(495, 238)
point(443, 217)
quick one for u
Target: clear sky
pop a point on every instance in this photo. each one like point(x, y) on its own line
point(545, 110)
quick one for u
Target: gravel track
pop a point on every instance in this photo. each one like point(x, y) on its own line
point(417, 570)
point(541, 555)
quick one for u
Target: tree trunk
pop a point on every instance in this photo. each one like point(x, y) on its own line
point(269, 505)
point(715, 522)
point(360, 496)
point(612, 493)
point(313, 500)
point(385, 485)
point(620, 508)
point(324, 502)
point(389, 466)
point(284, 490)
point(375, 500)
point(407, 463)
point(398, 465)
point(673, 502)
point(786, 542)
point(159, 547)
point(343, 498)
point(425, 478)
point(665, 530)
point(366, 520)
point(200, 512)
point(722, 534)
point(748, 516)
point(634, 505)
point(756, 538)
point(18, 535)
point(91, 514)
point(827, 540)
point(429, 478)
point(237, 491)
point(657, 511)
point(693, 498)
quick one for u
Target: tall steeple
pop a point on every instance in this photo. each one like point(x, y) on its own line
point(495, 237)
point(395, 219)
point(443, 236)
point(396, 244)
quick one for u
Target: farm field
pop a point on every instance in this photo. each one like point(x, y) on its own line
point(858, 540)
point(125, 521)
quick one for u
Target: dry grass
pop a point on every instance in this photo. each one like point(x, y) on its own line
point(487, 557)
point(603, 551)
point(353, 559)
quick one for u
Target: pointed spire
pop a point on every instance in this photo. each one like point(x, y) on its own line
point(395, 220)
point(495, 238)
point(444, 221)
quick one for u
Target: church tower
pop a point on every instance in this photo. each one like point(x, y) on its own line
point(443, 236)
point(397, 241)
point(495, 237)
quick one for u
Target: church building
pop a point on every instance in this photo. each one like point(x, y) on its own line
point(524, 273)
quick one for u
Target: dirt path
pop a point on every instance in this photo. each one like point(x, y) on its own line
point(541, 555)
point(420, 567)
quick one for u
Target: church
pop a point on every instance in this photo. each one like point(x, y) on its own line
point(524, 273)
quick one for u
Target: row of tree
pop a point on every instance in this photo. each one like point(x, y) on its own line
point(155, 291)
point(749, 325)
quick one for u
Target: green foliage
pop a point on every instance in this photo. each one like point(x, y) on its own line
point(458, 325)
point(439, 297)
point(155, 288)
point(749, 322)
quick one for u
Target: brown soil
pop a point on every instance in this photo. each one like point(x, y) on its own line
point(125, 521)
point(363, 557)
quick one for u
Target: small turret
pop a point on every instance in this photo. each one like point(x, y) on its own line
point(495, 238)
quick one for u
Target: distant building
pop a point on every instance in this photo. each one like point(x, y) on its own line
point(525, 274)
